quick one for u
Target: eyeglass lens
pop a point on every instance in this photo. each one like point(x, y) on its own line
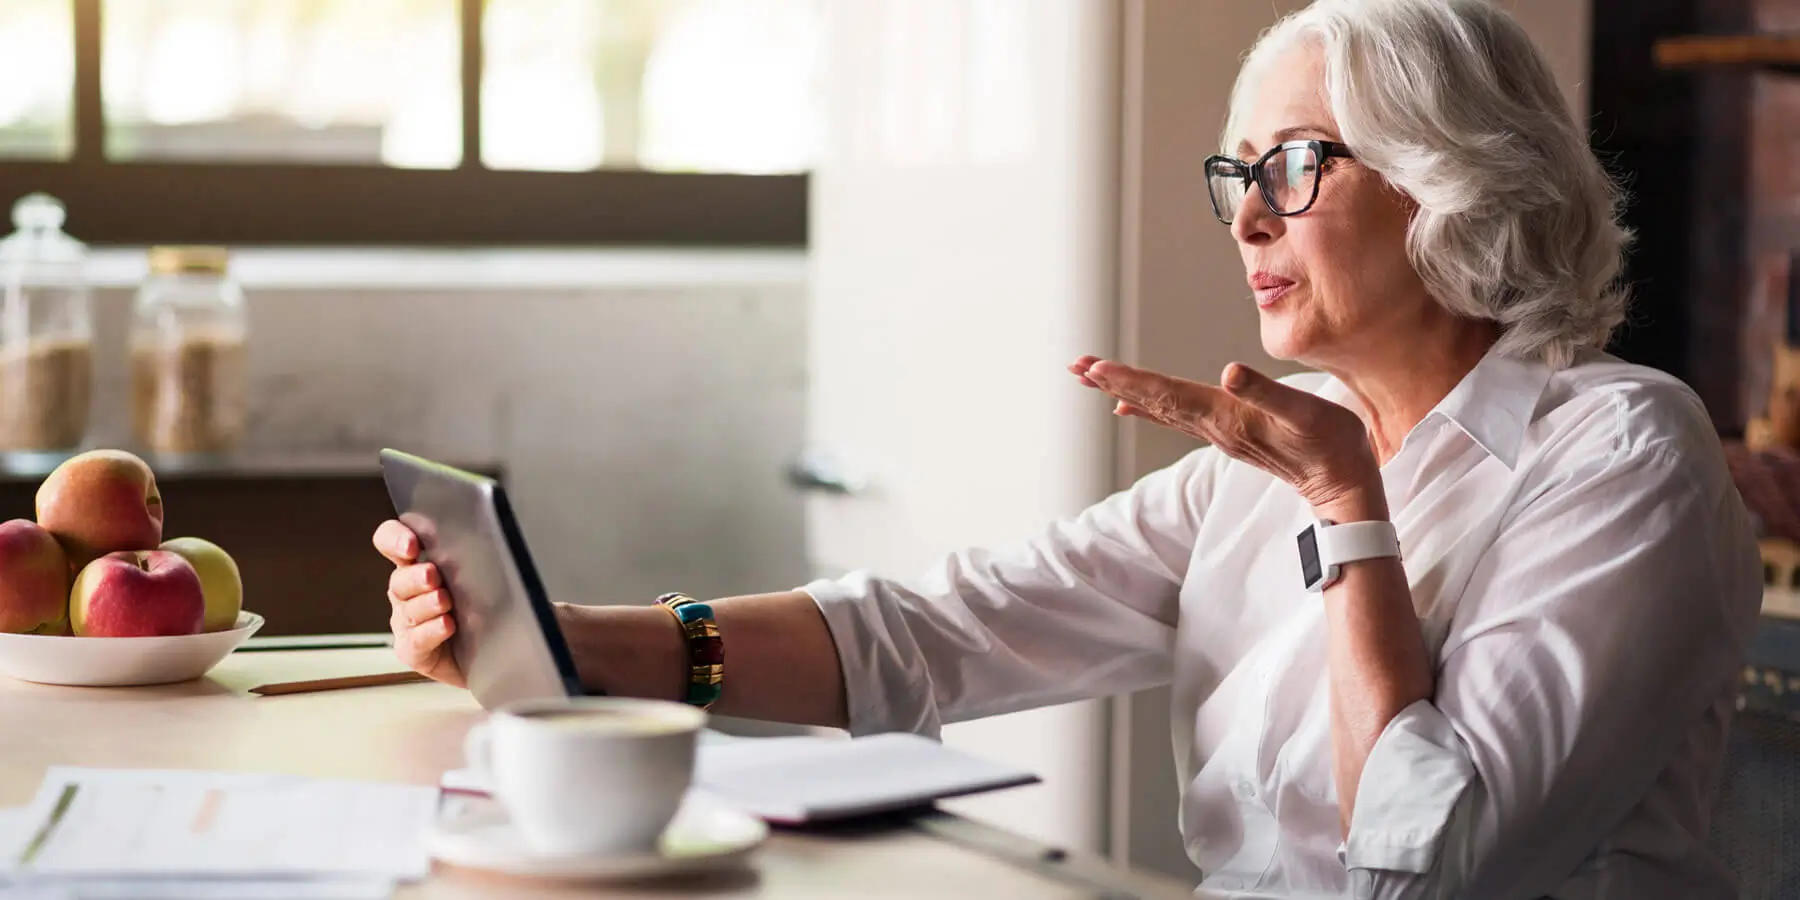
point(1287, 180)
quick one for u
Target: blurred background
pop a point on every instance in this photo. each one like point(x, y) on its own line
point(735, 293)
point(564, 85)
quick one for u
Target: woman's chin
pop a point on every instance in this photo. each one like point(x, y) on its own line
point(1279, 340)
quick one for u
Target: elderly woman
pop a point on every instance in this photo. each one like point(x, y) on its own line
point(1459, 615)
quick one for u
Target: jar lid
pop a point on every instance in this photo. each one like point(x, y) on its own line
point(189, 260)
point(39, 237)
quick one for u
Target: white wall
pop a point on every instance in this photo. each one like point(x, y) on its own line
point(644, 426)
point(963, 239)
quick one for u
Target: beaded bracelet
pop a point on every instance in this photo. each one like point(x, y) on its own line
point(706, 651)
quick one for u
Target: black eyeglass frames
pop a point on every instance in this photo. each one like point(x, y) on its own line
point(1288, 175)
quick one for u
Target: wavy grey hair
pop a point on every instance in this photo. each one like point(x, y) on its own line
point(1451, 103)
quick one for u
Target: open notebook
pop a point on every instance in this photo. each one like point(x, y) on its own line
point(797, 780)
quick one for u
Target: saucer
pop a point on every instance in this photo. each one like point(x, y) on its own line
point(705, 834)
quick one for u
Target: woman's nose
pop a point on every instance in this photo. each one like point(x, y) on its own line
point(1254, 222)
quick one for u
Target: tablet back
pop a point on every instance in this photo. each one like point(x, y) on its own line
point(507, 642)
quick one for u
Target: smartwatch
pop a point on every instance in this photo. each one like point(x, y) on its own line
point(1326, 546)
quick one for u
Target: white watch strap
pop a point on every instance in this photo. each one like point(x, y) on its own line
point(1351, 541)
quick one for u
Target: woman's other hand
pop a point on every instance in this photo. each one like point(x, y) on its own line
point(1319, 447)
point(422, 621)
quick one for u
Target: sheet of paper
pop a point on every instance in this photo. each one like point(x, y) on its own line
point(16, 830)
point(205, 889)
point(116, 822)
point(804, 779)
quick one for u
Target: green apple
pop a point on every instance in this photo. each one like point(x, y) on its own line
point(219, 579)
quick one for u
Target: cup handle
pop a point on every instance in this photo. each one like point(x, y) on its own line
point(478, 755)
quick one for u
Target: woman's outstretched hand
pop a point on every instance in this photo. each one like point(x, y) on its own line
point(1319, 447)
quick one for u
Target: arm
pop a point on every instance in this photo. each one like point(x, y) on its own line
point(1376, 653)
point(1085, 608)
point(780, 662)
point(783, 666)
point(1377, 659)
point(1590, 641)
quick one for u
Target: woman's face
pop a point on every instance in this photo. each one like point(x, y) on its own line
point(1332, 284)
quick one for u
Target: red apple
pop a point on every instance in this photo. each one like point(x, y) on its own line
point(137, 593)
point(34, 580)
point(99, 502)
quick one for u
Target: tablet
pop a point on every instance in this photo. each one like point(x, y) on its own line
point(507, 641)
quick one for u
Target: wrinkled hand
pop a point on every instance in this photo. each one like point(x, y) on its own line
point(1319, 447)
point(422, 620)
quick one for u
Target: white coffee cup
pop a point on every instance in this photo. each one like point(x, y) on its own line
point(587, 775)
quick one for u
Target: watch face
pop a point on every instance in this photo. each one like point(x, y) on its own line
point(1309, 557)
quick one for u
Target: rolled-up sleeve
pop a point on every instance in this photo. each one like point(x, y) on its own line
point(1415, 777)
point(1591, 639)
point(1085, 608)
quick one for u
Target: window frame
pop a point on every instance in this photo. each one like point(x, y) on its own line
point(132, 203)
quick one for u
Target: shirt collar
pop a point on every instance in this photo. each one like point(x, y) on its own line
point(1494, 403)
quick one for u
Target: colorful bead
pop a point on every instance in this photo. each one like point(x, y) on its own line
point(706, 649)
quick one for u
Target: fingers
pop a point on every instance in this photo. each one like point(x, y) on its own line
point(435, 632)
point(421, 618)
point(416, 611)
point(1125, 409)
point(1172, 400)
point(415, 645)
point(1260, 390)
point(1198, 410)
point(1080, 367)
point(407, 582)
point(397, 542)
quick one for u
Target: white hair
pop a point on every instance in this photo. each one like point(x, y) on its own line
point(1451, 103)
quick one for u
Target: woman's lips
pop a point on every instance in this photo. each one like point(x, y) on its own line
point(1269, 289)
point(1267, 297)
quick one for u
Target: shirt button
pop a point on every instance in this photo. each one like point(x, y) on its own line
point(1246, 790)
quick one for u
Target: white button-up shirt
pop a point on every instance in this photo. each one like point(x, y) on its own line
point(1586, 579)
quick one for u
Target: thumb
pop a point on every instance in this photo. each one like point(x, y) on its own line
point(1266, 393)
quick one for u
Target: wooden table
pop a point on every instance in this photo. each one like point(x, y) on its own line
point(413, 733)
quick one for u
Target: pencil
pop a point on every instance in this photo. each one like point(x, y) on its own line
point(332, 684)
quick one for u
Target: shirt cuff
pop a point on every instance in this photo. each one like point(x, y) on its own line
point(1405, 803)
point(886, 686)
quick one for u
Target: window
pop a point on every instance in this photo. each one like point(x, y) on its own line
point(37, 78)
point(414, 121)
point(282, 81)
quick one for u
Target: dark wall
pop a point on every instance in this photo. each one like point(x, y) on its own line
point(1710, 253)
point(1641, 124)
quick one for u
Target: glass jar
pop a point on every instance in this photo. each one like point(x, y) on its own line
point(46, 332)
point(188, 362)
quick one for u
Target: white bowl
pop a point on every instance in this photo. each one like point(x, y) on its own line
point(120, 661)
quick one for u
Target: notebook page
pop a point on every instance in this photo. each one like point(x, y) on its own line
point(811, 779)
